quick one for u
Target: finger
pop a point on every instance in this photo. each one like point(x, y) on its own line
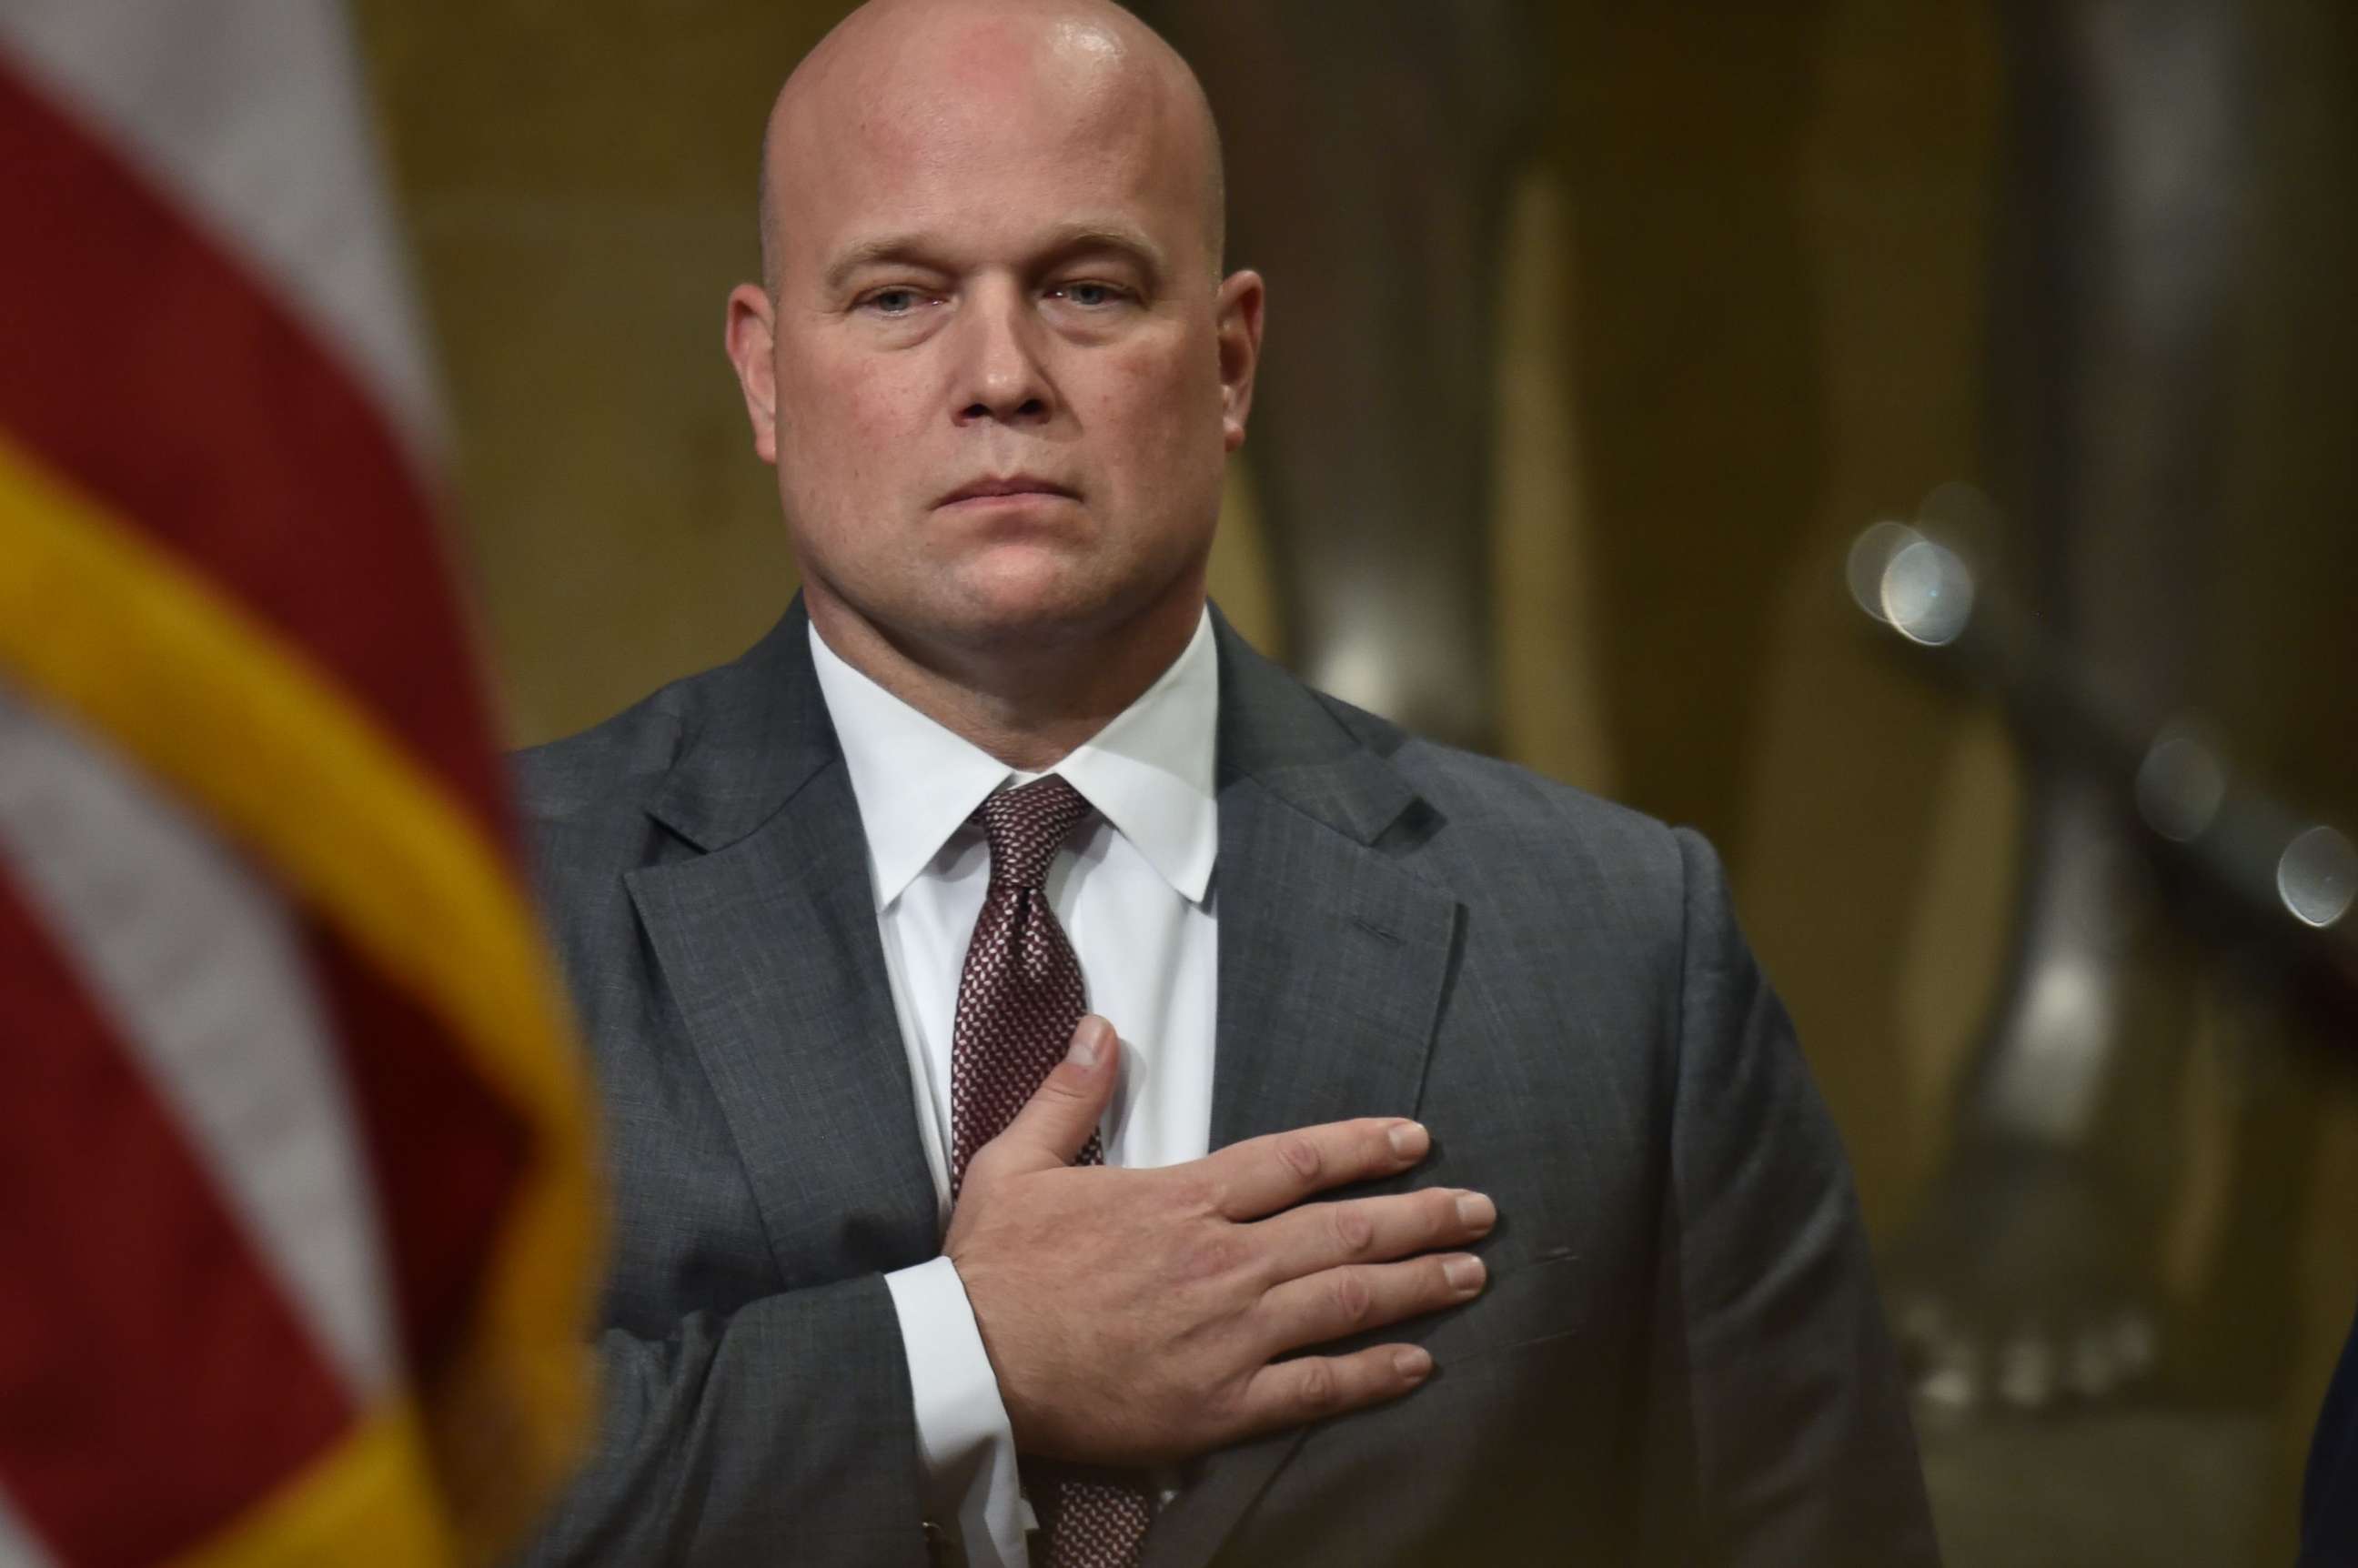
point(1057, 1121)
point(1328, 1305)
point(1307, 1388)
point(1311, 1236)
point(1262, 1175)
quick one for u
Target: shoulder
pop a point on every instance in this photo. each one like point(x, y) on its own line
point(622, 757)
point(1572, 903)
point(612, 766)
point(2329, 1488)
point(1500, 830)
point(584, 803)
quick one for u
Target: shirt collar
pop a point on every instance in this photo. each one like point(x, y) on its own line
point(1148, 773)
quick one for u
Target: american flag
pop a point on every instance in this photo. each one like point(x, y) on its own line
point(297, 1219)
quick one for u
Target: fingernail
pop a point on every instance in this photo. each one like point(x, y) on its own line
point(1463, 1274)
point(1409, 1139)
point(1412, 1362)
point(1476, 1211)
point(1088, 1041)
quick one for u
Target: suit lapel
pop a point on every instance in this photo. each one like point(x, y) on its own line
point(1333, 962)
point(1332, 965)
point(769, 947)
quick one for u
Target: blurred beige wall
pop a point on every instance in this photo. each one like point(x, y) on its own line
point(579, 185)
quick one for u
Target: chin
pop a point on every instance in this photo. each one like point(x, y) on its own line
point(1035, 589)
point(1002, 618)
point(1010, 596)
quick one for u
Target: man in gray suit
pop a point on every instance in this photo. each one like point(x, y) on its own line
point(1453, 1190)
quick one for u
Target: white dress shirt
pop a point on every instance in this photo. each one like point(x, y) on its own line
point(1133, 894)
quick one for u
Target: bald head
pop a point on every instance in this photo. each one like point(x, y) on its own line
point(995, 363)
point(904, 70)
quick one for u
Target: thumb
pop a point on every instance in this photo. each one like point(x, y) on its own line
point(1054, 1123)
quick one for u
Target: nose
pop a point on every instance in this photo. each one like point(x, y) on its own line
point(1002, 378)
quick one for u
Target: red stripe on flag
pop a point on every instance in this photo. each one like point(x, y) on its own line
point(139, 358)
point(445, 1152)
point(154, 1379)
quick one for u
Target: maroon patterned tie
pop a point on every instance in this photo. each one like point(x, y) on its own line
point(1018, 1001)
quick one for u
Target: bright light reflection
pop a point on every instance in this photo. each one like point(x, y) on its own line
point(1870, 553)
point(2317, 876)
point(1927, 594)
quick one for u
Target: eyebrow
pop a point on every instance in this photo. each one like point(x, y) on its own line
point(1075, 239)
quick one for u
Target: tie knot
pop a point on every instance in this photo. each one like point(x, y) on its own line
point(1027, 825)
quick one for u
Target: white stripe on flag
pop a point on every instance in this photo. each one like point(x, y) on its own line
point(19, 1547)
point(248, 114)
point(199, 966)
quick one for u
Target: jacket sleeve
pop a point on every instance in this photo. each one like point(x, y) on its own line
point(783, 1432)
point(1780, 1428)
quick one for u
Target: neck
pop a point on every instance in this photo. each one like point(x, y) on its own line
point(1029, 700)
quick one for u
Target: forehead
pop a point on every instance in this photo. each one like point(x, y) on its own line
point(981, 135)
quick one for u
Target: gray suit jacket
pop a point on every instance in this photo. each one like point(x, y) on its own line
point(1679, 1357)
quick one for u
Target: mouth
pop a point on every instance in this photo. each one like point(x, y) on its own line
point(1012, 486)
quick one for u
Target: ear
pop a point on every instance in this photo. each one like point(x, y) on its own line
point(1237, 311)
point(750, 335)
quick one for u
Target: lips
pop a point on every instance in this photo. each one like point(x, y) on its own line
point(1011, 485)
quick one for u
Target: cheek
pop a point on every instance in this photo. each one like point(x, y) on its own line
point(1163, 411)
point(850, 428)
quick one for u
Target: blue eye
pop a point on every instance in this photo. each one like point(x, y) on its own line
point(1089, 296)
point(893, 301)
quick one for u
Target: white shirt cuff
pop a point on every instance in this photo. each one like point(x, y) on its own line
point(963, 1434)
